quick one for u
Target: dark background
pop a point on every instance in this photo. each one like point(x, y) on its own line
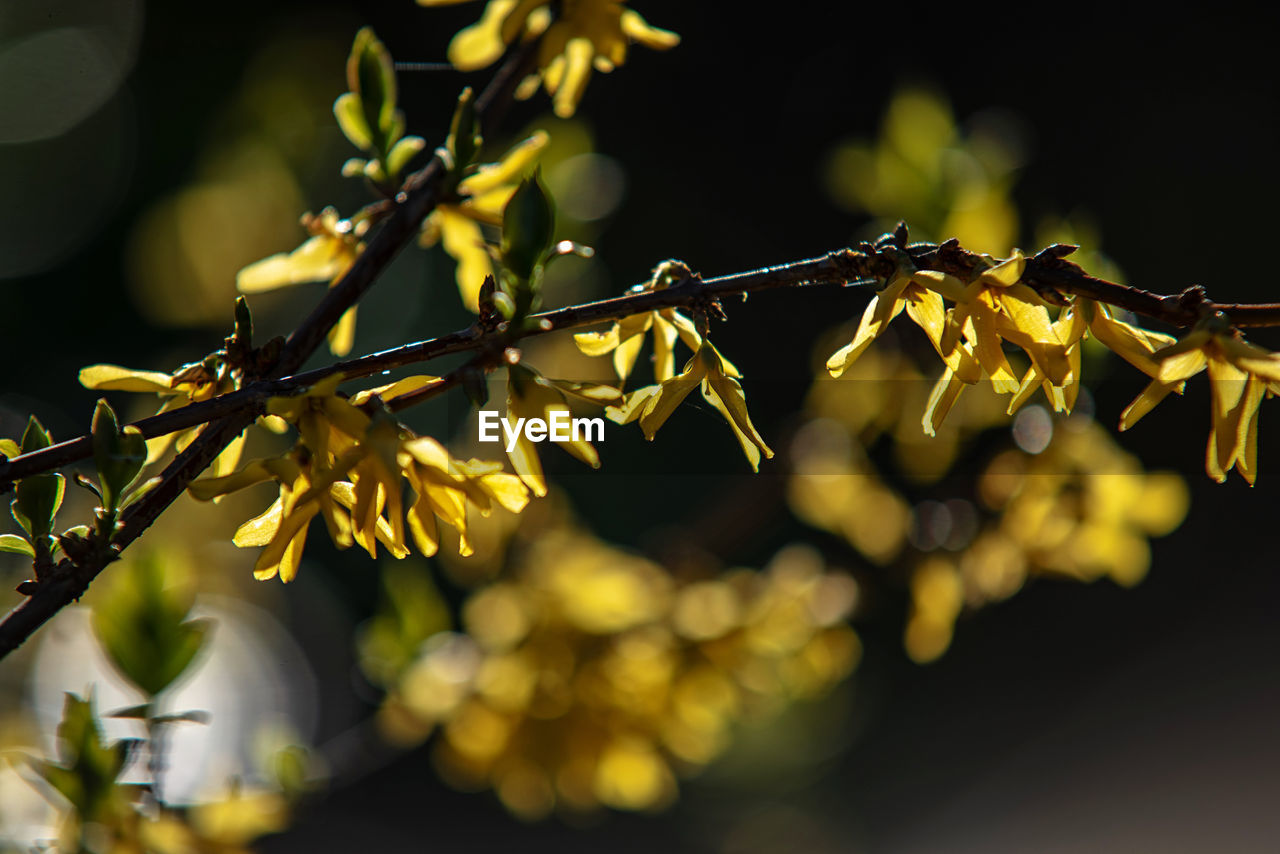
point(1071, 718)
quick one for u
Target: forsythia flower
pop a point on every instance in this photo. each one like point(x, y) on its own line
point(348, 469)
point(531, 395)
point(585, 34)
point(483, 196)
point(626, 336)
point(588, 678)
point(910, 289)
point(326, 256)
point(995, 308)
point(444, 486)
point(653, 404)
point(1239, 374)
point(196, 382)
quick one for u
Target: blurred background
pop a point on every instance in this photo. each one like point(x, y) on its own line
point(149, 151)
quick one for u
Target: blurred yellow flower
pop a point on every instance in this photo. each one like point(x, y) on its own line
point(324, 257)
point(481, 200)
point(581, 36)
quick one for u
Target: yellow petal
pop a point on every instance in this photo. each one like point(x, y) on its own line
point(632, 405)
point(393, 390)
point(116, 378)
point(320, 259)
point(1007, 272)
point(670, 394)
point(462, 240)
point(342, 337)
point(209, 487)
point(944, 395)
point(1155, 392)
point(481, 43)
point(259, 530)
point(513, 166)
point(868, 330)
point(639, 30)
point(578, 54)
point(725, 394)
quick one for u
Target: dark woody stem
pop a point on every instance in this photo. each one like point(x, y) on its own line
point(1048, 272)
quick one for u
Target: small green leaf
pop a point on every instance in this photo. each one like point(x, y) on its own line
point(528, 222)
point(140, 491)
point(349, 112)
point(353, 167)
point(370, 73)
point(464, 131)
point(87, 768)
point(411, 610)
point(142, 625)
point(119, 455)
point(401, 153)
point(9, 448)
point(36, 502)
point(14, 544)
point(35, 436)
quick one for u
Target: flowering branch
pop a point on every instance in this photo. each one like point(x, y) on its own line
point(1049, 272)
point(418, 197)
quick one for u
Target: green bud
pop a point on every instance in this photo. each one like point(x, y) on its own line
point(527, 227)
point(119, 456)
point(464, 131)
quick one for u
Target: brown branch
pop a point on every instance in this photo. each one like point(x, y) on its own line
point(1047, 272)
point(418, 198)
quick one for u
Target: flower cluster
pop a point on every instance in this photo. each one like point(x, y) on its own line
point(349, 469)
point(995, 308)
point(1081, 509)
point(652, 405)
point(582, 35)
point(589, 677)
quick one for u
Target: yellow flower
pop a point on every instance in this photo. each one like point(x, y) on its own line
point(653, 404)
point(531, 395)
point(444, 487)
point(482, 198)
point(916, 292)
point(199, 381)
point(995, 308)
point(1070, 327)
point(1239, 375)
point(326, 256)
point(585, 34)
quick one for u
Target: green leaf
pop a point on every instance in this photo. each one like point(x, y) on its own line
point(401, 153)
point(142, 626)
point(36, 502)
point(350, 115)
point(35, 436)
point(9, 448)
point(528, 223)
point(87, 768)
point(464, 139)
point(119, 455)
point(372, 76)
point(411, 610)
point(14, 544)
